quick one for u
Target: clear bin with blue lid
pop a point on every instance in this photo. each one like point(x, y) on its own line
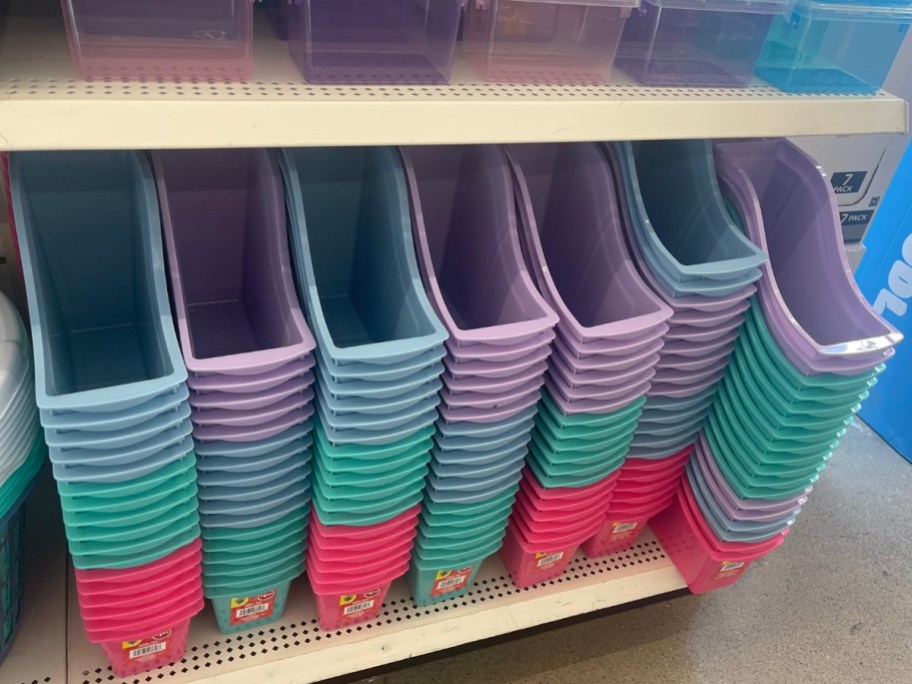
point(835, 46)
point(700, 43)
point(544, 41)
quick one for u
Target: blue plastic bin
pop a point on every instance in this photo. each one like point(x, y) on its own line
point(833, 46)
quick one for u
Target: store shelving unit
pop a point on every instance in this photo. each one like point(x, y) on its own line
point(44, 106)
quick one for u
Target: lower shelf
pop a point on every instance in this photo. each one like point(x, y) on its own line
point(52, 648)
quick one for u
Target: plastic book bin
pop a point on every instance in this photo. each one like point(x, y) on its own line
point(207, 40)
point(468, 246)
point(712, 43)
point(828, 46)
point(696, 556)
point(708, 248)
point(570, 187)
point(373, 41)
point(224, 225)
point(104, 342)
point(354, 257)
point(257, 607)
point(788, 208)
point(544, 42)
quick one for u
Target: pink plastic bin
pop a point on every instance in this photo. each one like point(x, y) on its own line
point(530, 564)
point(617, 535)
point(338, 610)
point(130, 657)
point(202, 40)
point(703, 567)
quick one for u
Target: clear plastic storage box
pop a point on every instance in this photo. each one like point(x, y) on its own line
point(374, 41)
point(205, 40)
point(709, 43)
point(833, 46)
point(544, 41)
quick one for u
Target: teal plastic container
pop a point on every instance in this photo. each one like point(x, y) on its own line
point(833, 46)
point(245, 610)
point(432, 582)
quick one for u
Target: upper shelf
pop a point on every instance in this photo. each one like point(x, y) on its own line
point(44, 106)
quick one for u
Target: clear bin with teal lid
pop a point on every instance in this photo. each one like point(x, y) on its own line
point(708, 43)
point(833, 46)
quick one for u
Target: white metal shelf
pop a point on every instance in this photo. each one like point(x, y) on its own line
point(52, 648)
point(44, 106)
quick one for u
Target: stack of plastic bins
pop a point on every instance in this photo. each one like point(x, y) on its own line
point(698, 260)
point(277, 11)
point(710, 43)
point(833, 46)
point(500, 338)
point(644, 487)
point(111, 389)
point(249, 355)
point(378, 365)
point(810, 349)
point(705, 561)
point(608, 336)
point(374, 41)
point(546, 41)
point(21, 457)
point(204, 40)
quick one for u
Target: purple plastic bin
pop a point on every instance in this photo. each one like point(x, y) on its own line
point(613, 348)
point(545, 41)
point(604, 362)
point(696, 42)
point(373, 41)
point(251, 384)
point(222, 433)
point(468, 247)
point(809, 298)
point(574, 246)
point(488, 369)
point(472, 383)
point(237, 401)
point(500, 352)
point(202, 40)
point(224, 222)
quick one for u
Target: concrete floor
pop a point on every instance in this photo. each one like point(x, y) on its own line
point(834, 604)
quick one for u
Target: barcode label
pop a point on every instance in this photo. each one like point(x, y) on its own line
point(624, 527)
point(253, 610)
point(549, 559)
point(358, 607)
point(147, 650)
point(452, 582)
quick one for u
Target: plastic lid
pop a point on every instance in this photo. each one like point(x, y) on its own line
point(750, 6)
point(886, 11)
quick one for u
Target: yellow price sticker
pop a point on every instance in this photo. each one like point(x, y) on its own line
point(345, 599)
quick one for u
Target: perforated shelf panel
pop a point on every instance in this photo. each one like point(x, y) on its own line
point(297, 650)
point(44, 106)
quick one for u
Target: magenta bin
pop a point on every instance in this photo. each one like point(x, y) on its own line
point(147, 651)
point(704, 561)
point(712, 43)
point(174, 40)
point(373, 41)
point(544, 42)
